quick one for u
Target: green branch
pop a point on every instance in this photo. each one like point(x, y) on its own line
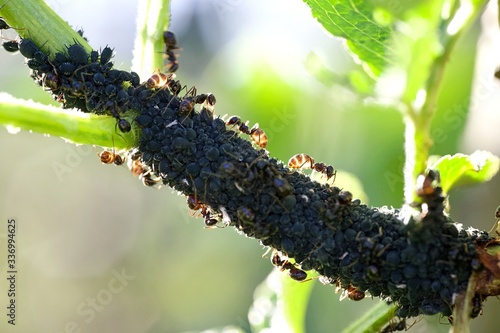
point(153, 18)
point(35, 20)
point(72, 125)
point(418, 139)
point(38, 22)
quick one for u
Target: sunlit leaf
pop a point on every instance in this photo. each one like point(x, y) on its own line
point(295, 300)
point(353, 20)
point(460, 169)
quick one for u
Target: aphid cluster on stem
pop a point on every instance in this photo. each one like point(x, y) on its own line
point(83, 80)
point(419, 265)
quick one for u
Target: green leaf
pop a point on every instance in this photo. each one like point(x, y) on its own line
point(353, 20)
point(295, 300)
point(461, 169)
point(373, 320)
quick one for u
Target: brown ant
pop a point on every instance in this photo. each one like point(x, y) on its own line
point(294, 272)
point(353, 293)
point(136, 168)
point(302, 161)
point(257, 135)
point(194, 204)
point(147, 179)
point(170, 46)
point(208, 101)
point(134, 163)
point(188, 102)
point(159, 80)
point(108, 157)
point(426, 184)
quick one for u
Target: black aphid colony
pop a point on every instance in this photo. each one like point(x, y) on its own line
point(419, 265)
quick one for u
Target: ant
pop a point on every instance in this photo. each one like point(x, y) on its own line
point(147, 179)
point(170, 46)
point(194, 204)
point(122, 123)
point(208, 101)
point(354, 293)
point(134, 164)
point(301, 161)
point(294, 272)
point(159, 80)
point(426, 184)
point(188, 102)
point(257, 135)
point(136, 168)
point(108, 157)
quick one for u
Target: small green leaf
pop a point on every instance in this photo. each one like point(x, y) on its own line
point(373, 320)
point(295, 300)
point(461, 169)
point(353, 20)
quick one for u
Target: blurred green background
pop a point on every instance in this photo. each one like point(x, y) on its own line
point(82, 225)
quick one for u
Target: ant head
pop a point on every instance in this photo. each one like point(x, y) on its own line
point(169, 38)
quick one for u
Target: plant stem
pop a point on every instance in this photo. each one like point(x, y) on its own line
point(153, 18)
point(77, 127)
point(418, 140)
point(53, 35)
point(35, 20)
